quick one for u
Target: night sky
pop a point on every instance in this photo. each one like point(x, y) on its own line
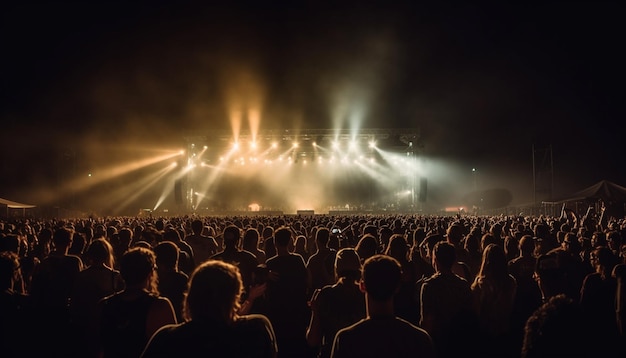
point(483, 83)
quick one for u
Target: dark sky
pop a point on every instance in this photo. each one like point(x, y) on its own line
point(483, 83)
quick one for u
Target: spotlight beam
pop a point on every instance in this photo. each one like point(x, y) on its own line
point(141, 186)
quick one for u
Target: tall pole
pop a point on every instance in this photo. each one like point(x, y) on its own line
point(551, 174)
point(534, 181)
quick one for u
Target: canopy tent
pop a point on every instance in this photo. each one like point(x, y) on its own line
point(612, 195)
point(15, 205)
point(604, 190)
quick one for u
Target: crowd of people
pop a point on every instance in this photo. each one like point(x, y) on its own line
point(314, 286)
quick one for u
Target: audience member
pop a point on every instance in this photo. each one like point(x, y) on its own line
point(244, 260)
point(92, 284)
point(446, 311)
point(381, 333)
point(494, 293)
point(172, 282)
point(212, 325)
point(598, 299)
point(51, 289)
point(557, 329)
point(528, 295)
point(203, 246)
point(404, 301)
point(337, 306)
point(15, 308)
point(130, 317)
point(320, 264)
point(251, 244)
point(287, 297)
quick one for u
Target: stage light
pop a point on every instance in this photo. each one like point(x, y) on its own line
point(181, 152)
point(274, 145)
point(236, 146)
point(314, 144)
point(295, 144)
point(253, 145)
point(205, 147)
point(335, 145)
point(372, 144)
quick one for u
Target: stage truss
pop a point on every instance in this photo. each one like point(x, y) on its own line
point(406, 141)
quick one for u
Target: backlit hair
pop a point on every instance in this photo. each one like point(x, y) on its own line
point(215, 288)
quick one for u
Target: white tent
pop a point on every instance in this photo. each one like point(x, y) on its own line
point(15, 205)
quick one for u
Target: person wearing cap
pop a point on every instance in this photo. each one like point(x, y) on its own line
point(571, 262)
point(381, 333)
point(337, 306)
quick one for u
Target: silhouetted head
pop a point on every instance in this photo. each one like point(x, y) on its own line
point(214, 291)
point(381, 277)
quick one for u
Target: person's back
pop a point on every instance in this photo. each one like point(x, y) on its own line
point(99, 279)
point(241, 338)
point(51, 288)
point(212, 325)
point(337, 306)
point(598, 299)
point(528, 294)
point(381, 334)
point(203, 246)
point(494, 292)
point(123, 324)
point(15, 308)
point(287, 297)
point(557, 329)
point(446, 311)
point(320, 264)
point(251, 244)
point(405, 303)
point(129, 318)
point(186, 261)
point(53, 279)
point(572, 263)
point(172, 282)
point(244, 260)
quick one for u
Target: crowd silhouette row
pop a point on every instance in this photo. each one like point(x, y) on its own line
point(314, 286)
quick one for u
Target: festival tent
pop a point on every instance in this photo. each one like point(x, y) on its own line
point(613, 197)
point(604, 190)
point(14, 205)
